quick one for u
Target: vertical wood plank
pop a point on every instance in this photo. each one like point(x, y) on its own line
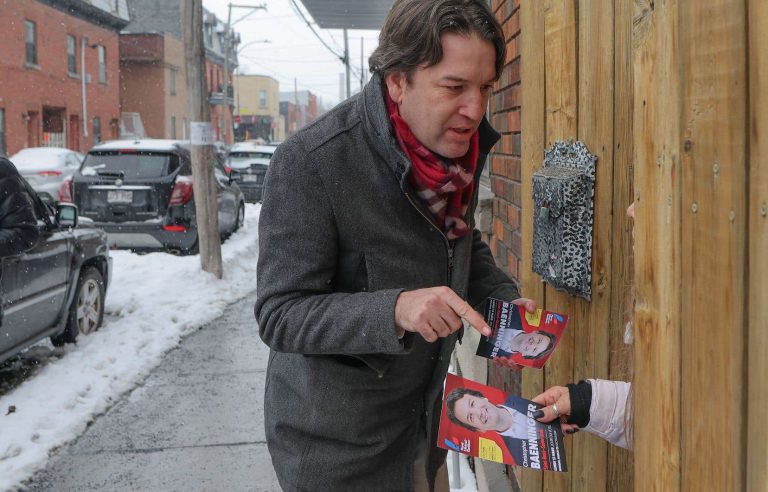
point(620, 461)
point(533, 135)
point(656, 129)
point(561, 86)
point(757, 368)
point(595, 128)
point(714, 115)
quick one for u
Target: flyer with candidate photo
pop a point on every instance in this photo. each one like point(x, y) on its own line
point(524, 338)
point(486, 423)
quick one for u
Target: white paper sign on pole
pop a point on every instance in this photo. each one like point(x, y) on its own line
point(201, 133)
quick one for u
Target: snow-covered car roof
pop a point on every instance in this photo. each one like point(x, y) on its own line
point(144, 144)
point(246, 163)
point(251, 147)
point(50, 151)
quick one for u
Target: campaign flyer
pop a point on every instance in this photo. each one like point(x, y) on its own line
point(484, 422)
point(526, 339)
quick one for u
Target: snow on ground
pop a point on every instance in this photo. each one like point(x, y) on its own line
point(152, 302)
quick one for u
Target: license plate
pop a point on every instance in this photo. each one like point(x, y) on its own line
point(251, 178)
point(119, 196)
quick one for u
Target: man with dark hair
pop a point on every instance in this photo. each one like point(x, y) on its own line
point(369, 261)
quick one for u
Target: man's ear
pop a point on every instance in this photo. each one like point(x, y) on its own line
point(396, 82)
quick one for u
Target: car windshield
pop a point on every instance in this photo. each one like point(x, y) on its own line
point(248, 156)
point(132, 165)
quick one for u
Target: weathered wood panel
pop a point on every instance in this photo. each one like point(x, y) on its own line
point(713, 164)
point(757, 368)
point(561, 106)
point(658, 261)
point(620, 476)
point(533, 135)
point(589, 454)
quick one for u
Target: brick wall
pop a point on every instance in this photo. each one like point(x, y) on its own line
point(505, 240)
point(27, 92)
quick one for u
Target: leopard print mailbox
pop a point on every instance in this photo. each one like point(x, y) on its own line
point(563, 197)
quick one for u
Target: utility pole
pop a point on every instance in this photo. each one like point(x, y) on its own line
point(346, 62)
point(203, 185)
point(362, 65)
point(227, 43)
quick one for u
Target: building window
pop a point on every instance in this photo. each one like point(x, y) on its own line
point(2, 131)
point(262, 98)
point(102, 64)
point(173, 127)
point(96, 129)
point(173, 81)
point(71, 54)
point(30, 39)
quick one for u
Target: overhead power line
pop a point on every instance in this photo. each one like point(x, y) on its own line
point(342, 58)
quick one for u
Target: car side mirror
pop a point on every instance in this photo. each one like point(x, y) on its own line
point(235, 175)
point(66, 215)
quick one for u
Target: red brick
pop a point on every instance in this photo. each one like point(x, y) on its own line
point(498, 228)
point(25, 90)
point(513, 121)
point(513, 217)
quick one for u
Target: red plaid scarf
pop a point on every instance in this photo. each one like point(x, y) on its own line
point(445, 188)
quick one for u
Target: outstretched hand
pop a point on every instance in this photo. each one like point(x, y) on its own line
point(555, 396)
point(435, 312)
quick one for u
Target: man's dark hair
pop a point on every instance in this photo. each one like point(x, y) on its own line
point(550, 347)
point(411, 33)
point(450, 405)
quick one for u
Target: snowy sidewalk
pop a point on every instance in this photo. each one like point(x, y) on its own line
point(195, 424)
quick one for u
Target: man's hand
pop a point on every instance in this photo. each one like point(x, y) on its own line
point(435, 312)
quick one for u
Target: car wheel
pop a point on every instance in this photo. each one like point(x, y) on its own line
point(87, 310)
point(240, 217)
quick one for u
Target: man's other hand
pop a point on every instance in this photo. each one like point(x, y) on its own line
point(435, 312)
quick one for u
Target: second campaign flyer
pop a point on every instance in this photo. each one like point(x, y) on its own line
point(486, 423)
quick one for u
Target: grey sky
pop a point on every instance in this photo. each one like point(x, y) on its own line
point(293, 51)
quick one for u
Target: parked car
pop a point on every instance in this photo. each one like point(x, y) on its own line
point(251, 161)
point(140, 192)
point(45, 168)
point(57, 288)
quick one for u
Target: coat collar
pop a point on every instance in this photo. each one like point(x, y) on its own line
point(379, 129)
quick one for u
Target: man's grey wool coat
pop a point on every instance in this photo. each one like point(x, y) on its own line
point(341, 234)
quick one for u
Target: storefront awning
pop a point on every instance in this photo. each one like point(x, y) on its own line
point(348, 14)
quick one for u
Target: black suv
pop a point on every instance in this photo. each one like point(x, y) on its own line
point(140, 193)
point(57, 288)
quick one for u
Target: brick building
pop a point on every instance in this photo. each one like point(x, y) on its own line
point(258, 108)
point(298, 109)
point(153, 83)
point(156, 26)
point(43, 100)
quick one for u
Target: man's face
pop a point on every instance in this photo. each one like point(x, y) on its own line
point(531, 344)
point(445, 103)
point(477, 412)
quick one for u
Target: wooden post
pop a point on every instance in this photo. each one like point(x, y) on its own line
point(620, 461)
point(713, 193)
point(561, 110)
point(658, 262)
point(589, 457)
point(532, 135)
point(204, 186)
point(757, 367)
